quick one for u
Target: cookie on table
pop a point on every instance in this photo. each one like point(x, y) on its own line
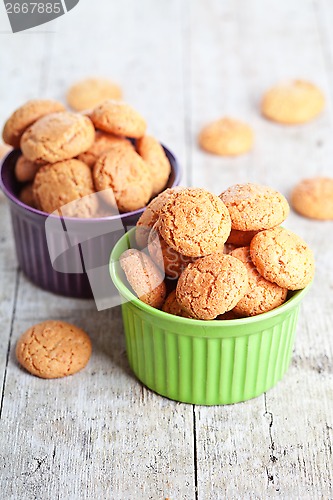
point(212, 285)
point(240, 238)
point(144, 277)
point(102, 144)
point(90, 92)
point(25, 116)
point(119, 118)
point(58, 184)
point(57, 137)
point(313, 198)
point(25, 170)
point(292, 103)
point(53, 349)
point(194, 222)
point(254, 207)
point(27, 196)
point(171, 306)
point(125, 176)
point(262, 295)
point(151, 215)
point(282, 257)
point(153, 154)
point(167, 259)
point(226, 137)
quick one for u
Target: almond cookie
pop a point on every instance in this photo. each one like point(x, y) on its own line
point(226, 137)
point(254, 207)
point(25, 170)
point(262, 295)
point(53, 349)
point(167, 259)
point(313, 198)
point(144, 277)
point(103, 143)
point(294, 102)
point(90, 92)
point(155, 157)
point(27, 196)
point(125, 176)
point(118, 118)
point(212, 285)
point(194, 222)
point(283, 258)
point(25, 116)
point(60, 183)
point(240, 238)
point(171, 306)
point(150, 216)
point(57, 137)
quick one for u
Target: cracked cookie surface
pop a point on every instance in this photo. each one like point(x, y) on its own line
point(53, 349)
point(172, 306)
point(104, 142)
point(153, 154)
point(119, 118)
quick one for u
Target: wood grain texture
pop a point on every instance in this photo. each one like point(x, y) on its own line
point(100, 433)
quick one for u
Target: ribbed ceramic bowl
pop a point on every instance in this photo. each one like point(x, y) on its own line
point(205, 362)
point(83, 258)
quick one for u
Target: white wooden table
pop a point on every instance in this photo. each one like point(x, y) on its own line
point(100, 434)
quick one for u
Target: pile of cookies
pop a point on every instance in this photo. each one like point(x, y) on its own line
point(222, 256)
point(67, 156)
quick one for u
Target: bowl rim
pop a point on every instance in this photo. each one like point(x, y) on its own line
point(123, 289)
point(15, 152)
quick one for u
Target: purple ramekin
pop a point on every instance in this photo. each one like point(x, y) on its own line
point(85, 260)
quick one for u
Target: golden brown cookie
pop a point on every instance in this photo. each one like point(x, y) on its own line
point(155, 157)
point(57, 137)
point(27, 196)
point(282, 257)
point(25, 170)
point(90, 92)
point(167, 259)
point(212, 285)
point(262, 295)
point(25, 116)
point(150, 216)
point(194, 222)
point(103, 143)
point(240, 238)
point(295, 102)
point(119, 118)
point(254, 207)
point(4, 150)
point(125, 176)
point(53, 349)
point(60, 183)
point(313, 198)
point(144, 277)
point(228, 315)
point(226, 137)
point(171, 306)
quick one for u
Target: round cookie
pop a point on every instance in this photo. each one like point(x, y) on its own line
point(167, 259)
point(151, 215)
point(144, 277)
point(254, 207)
point(292, 103)
point(226, 137)
point(119, 118)
point(262, 295)
point(240, 238)
point(90, 92)
point(212, 285)
point(60, 183)
point(57, 137)
point(153, 154)
point(53, 349)
point(194, 222)
point(25, 170)
point(103, 143)
point(25, 116)
point(27, 196)
point(125, 176)
point(282, 257)
point(171, 306)
point(313, 198)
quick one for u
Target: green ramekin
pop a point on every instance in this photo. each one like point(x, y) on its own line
point(205, 362)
